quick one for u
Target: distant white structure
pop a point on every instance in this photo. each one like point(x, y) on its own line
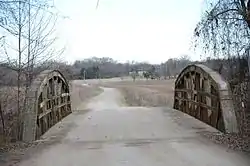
point(138, 74)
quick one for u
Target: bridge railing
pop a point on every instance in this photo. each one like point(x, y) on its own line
point(203, 94)
point(48, 101)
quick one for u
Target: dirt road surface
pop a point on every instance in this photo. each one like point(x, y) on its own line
point(111, 134)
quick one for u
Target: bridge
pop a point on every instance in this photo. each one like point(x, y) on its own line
point(203, 94)
point(111, 134)
point(48, 101)
point(199, 92)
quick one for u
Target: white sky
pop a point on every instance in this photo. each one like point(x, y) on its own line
point(140, 30)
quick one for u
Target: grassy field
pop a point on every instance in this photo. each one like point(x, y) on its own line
point(81, 93)
point(153, 93)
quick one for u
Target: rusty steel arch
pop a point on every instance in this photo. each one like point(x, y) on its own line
point(203, 94)
point(48, 101)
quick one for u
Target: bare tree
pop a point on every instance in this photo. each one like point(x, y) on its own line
point(133, 75)
point(32, 24)
point(224, 29)
point(97, 4)
point(2, 120)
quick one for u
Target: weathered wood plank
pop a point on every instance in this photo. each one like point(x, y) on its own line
point(50, 110)
point(198, 92)
point(198, 104)
point(202, 93)
point(48, 95)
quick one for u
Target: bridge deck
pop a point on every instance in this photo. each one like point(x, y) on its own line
point(111, 134)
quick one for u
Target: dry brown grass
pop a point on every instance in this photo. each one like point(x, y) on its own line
point(8, 99)
point(153, 93)
point(81, 94)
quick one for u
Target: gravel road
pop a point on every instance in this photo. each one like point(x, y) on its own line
point(111, 134)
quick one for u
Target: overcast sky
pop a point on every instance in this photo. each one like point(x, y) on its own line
point(140, 30)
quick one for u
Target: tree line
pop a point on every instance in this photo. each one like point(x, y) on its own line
point(107, 68)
